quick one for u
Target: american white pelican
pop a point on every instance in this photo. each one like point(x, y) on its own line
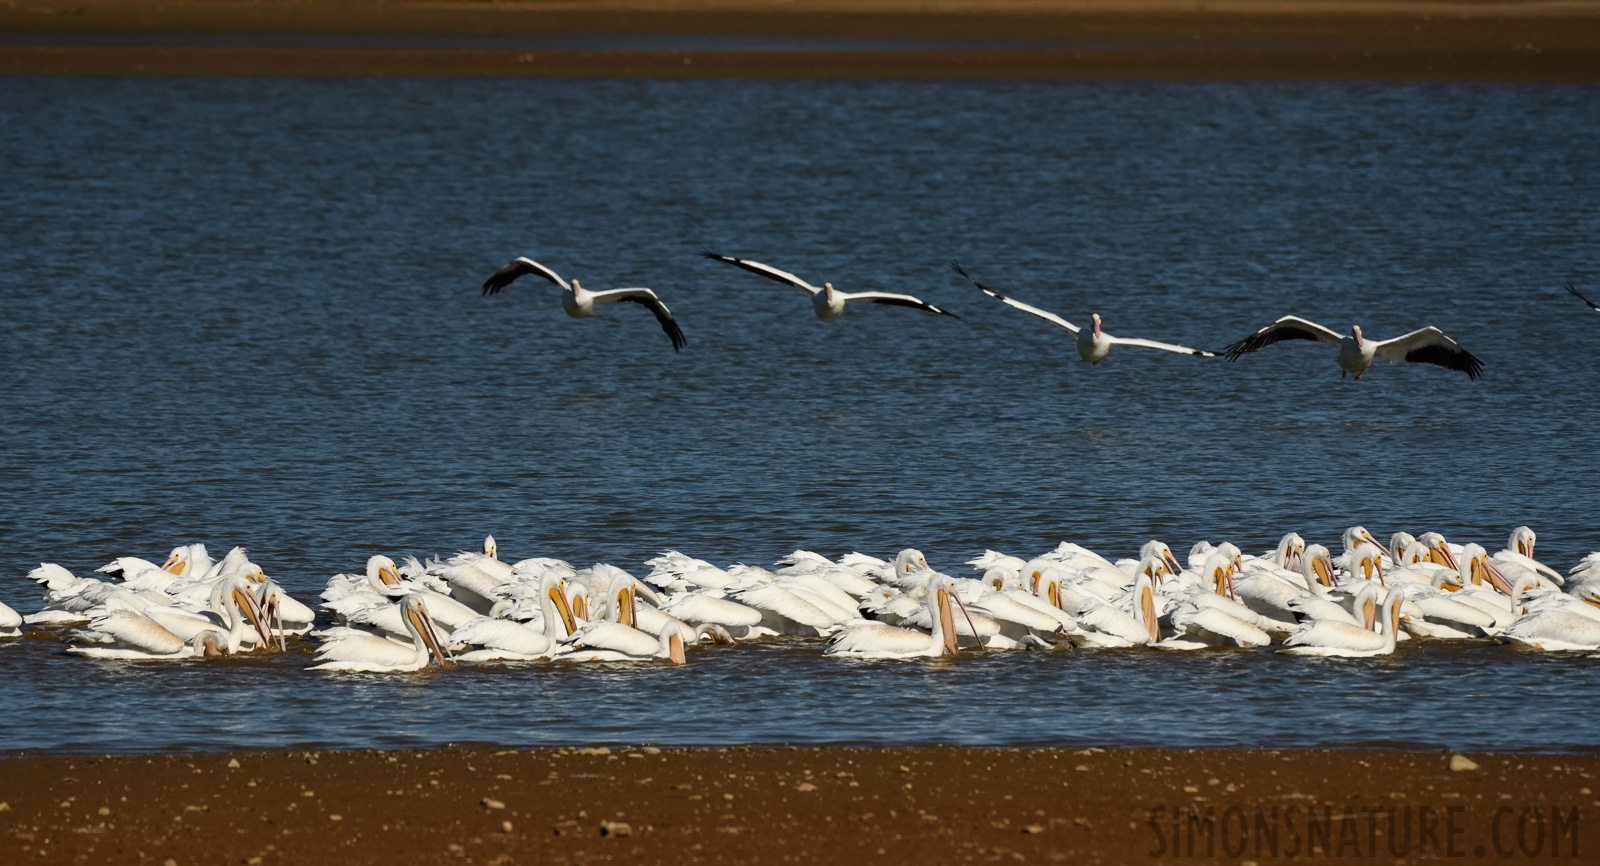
point(1428, 346)
point(505, 640)
point(579, 302)
point(872, 640)
point(1518, 557)
point(127, 635)
point(615, 637)
point(828, 302)
point(1555, 630)
point(1102, 624)
point(1332, 638)
point(1093, 343)
point(10, 622)
point(361, 652)
point(1590, 304)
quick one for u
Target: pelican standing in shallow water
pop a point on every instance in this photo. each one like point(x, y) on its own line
point(1428, 346)
point(1093, 343)
point(828, 302)
point(579, 302)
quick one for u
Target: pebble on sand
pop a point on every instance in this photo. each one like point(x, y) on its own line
point(1461, 764)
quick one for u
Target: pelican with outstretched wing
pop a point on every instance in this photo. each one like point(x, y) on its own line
point(1579, 295)
point(579, 302)
point(828, 302)
point(1093, 344)
point(1427, 346)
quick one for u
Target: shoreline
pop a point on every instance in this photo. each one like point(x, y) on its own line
point(772, 803)
point(1353, 40)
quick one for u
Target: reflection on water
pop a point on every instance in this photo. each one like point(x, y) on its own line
point(245, 311)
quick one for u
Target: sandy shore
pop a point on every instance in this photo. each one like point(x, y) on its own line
point(1230, 39)
point(777, 804)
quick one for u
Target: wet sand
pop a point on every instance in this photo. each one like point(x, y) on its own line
point(1231, 39)
point(778, 804)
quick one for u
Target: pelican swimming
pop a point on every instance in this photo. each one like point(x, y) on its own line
point(615, 636)
point(348, 649)
point(1334, 638)
point(873, 640)
point(1093, 343)
point(579, 302)
point(828, 302)
point(10, 622)
point(1428, 346)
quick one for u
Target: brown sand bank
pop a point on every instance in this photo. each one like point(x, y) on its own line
point(1231, 39)
point(776, 804)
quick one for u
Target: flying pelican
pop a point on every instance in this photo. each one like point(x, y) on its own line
point(1093, 344)
point(1428, 346)
point(579, 302)
point(828, 302)
point(1591, 304)
point(359, 651)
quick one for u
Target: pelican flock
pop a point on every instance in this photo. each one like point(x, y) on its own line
point(473, 608)
point(1427, 345)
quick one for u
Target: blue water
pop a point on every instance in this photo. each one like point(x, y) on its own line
point(245, 311)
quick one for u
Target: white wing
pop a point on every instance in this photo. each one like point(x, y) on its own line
point(876, 640)
point(516, 268)
point(135, 631)
point(895, 300)
point(994, 293)
point(1429, 346)
point(650, 301)
point(1152, 344)
point(1286, 328)
point(767, 271)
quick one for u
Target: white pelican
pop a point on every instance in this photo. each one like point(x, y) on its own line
point(1556, 630)
point(828, 302)
point(1333, 638)
point(1093, 343)
point(1590, 304)
point(505, 640)
point(874, 640)
point(10, 622)
point(1428, 346)
point(1518, 556)
point(615, 637)
point(128, 635)
point(579, 302)
point(361, 652)
point(1107, 625)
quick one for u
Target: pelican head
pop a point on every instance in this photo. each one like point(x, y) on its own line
point(827, 292)
point(490, 549)
point(1094, 323)
point(1414, 552)
point(381, 570)
point(1365, 558)
point(554, 605)
point(1356, 535)
point(1155, 568)
point(176, 561)
point(235, 596)
point(415, 613)
point(269, 599)
point(1522, 539)
point(672, 645)
point(1291, 548)
point(1355, 331)
point(1478, 569)
point(909, 558)
point(1398, 543)
point(1317, 566)
point(576, 288)
point(1219, 572)
point(1439, 550)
